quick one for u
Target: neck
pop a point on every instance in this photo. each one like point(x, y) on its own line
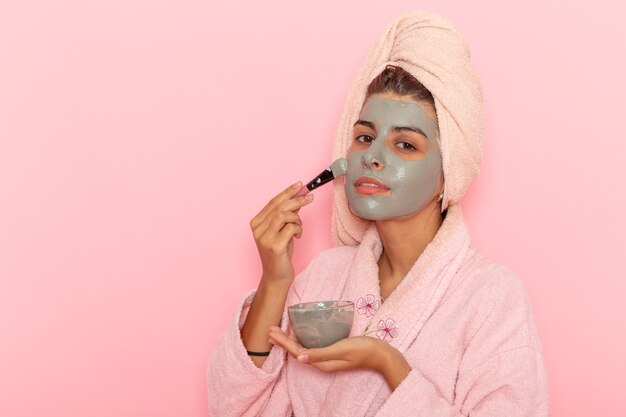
point(404, 239)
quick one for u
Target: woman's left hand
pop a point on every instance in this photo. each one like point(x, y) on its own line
point(352, 352)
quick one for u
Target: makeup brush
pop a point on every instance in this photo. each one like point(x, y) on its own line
point(335, 170)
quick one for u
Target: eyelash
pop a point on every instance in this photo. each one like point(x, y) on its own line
point(409, 148)
point(412, 148)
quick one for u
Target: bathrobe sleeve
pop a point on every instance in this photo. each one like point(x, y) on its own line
point(502, 372)
point(236, 386)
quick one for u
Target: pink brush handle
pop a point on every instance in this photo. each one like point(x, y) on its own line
point(303, 191)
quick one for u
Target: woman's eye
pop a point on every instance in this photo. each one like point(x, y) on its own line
point(405, 146)
point(364, 139)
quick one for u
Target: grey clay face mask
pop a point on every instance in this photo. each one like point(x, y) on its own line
point(412, 183)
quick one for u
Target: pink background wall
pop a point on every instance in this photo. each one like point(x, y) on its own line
point(138, 138)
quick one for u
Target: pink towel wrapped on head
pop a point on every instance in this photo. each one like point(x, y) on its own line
point(435, 53)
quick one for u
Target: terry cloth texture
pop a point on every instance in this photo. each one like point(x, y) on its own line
point(463, 323)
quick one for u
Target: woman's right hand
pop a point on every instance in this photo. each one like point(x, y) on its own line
point(274, 229)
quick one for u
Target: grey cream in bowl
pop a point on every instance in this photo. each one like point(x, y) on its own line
point(321, 323)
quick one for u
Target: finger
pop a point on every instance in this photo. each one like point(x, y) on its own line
point(295, 203)
point(284, 195)
point(291, 345)
point(332, 365)
point(277, 331)
point(328, 353)
point(309, 197)
point(281, 219)
point(273, 224)
point(285, 211)
point(292, 205)
point(303, 191)
point(287, 233)
point(277, 245)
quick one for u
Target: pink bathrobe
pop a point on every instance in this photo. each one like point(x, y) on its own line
point(463, 323)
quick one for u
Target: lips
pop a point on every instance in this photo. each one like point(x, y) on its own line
point(369, 186)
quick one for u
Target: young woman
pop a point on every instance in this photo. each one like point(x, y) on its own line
point(439, 330)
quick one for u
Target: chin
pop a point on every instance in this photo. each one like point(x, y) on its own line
point(365, 219)
point(366, 216)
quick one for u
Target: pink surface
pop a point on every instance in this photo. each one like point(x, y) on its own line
point(137, 140)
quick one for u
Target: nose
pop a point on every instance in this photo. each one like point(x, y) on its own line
point(368, 160)
point(372, 158)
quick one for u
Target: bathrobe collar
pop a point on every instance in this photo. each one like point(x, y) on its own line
point(401, 317)
point(420, 291)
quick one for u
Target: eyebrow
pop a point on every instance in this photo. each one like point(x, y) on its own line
point(393, 128)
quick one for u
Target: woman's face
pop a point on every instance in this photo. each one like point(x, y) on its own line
point(394, 161)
